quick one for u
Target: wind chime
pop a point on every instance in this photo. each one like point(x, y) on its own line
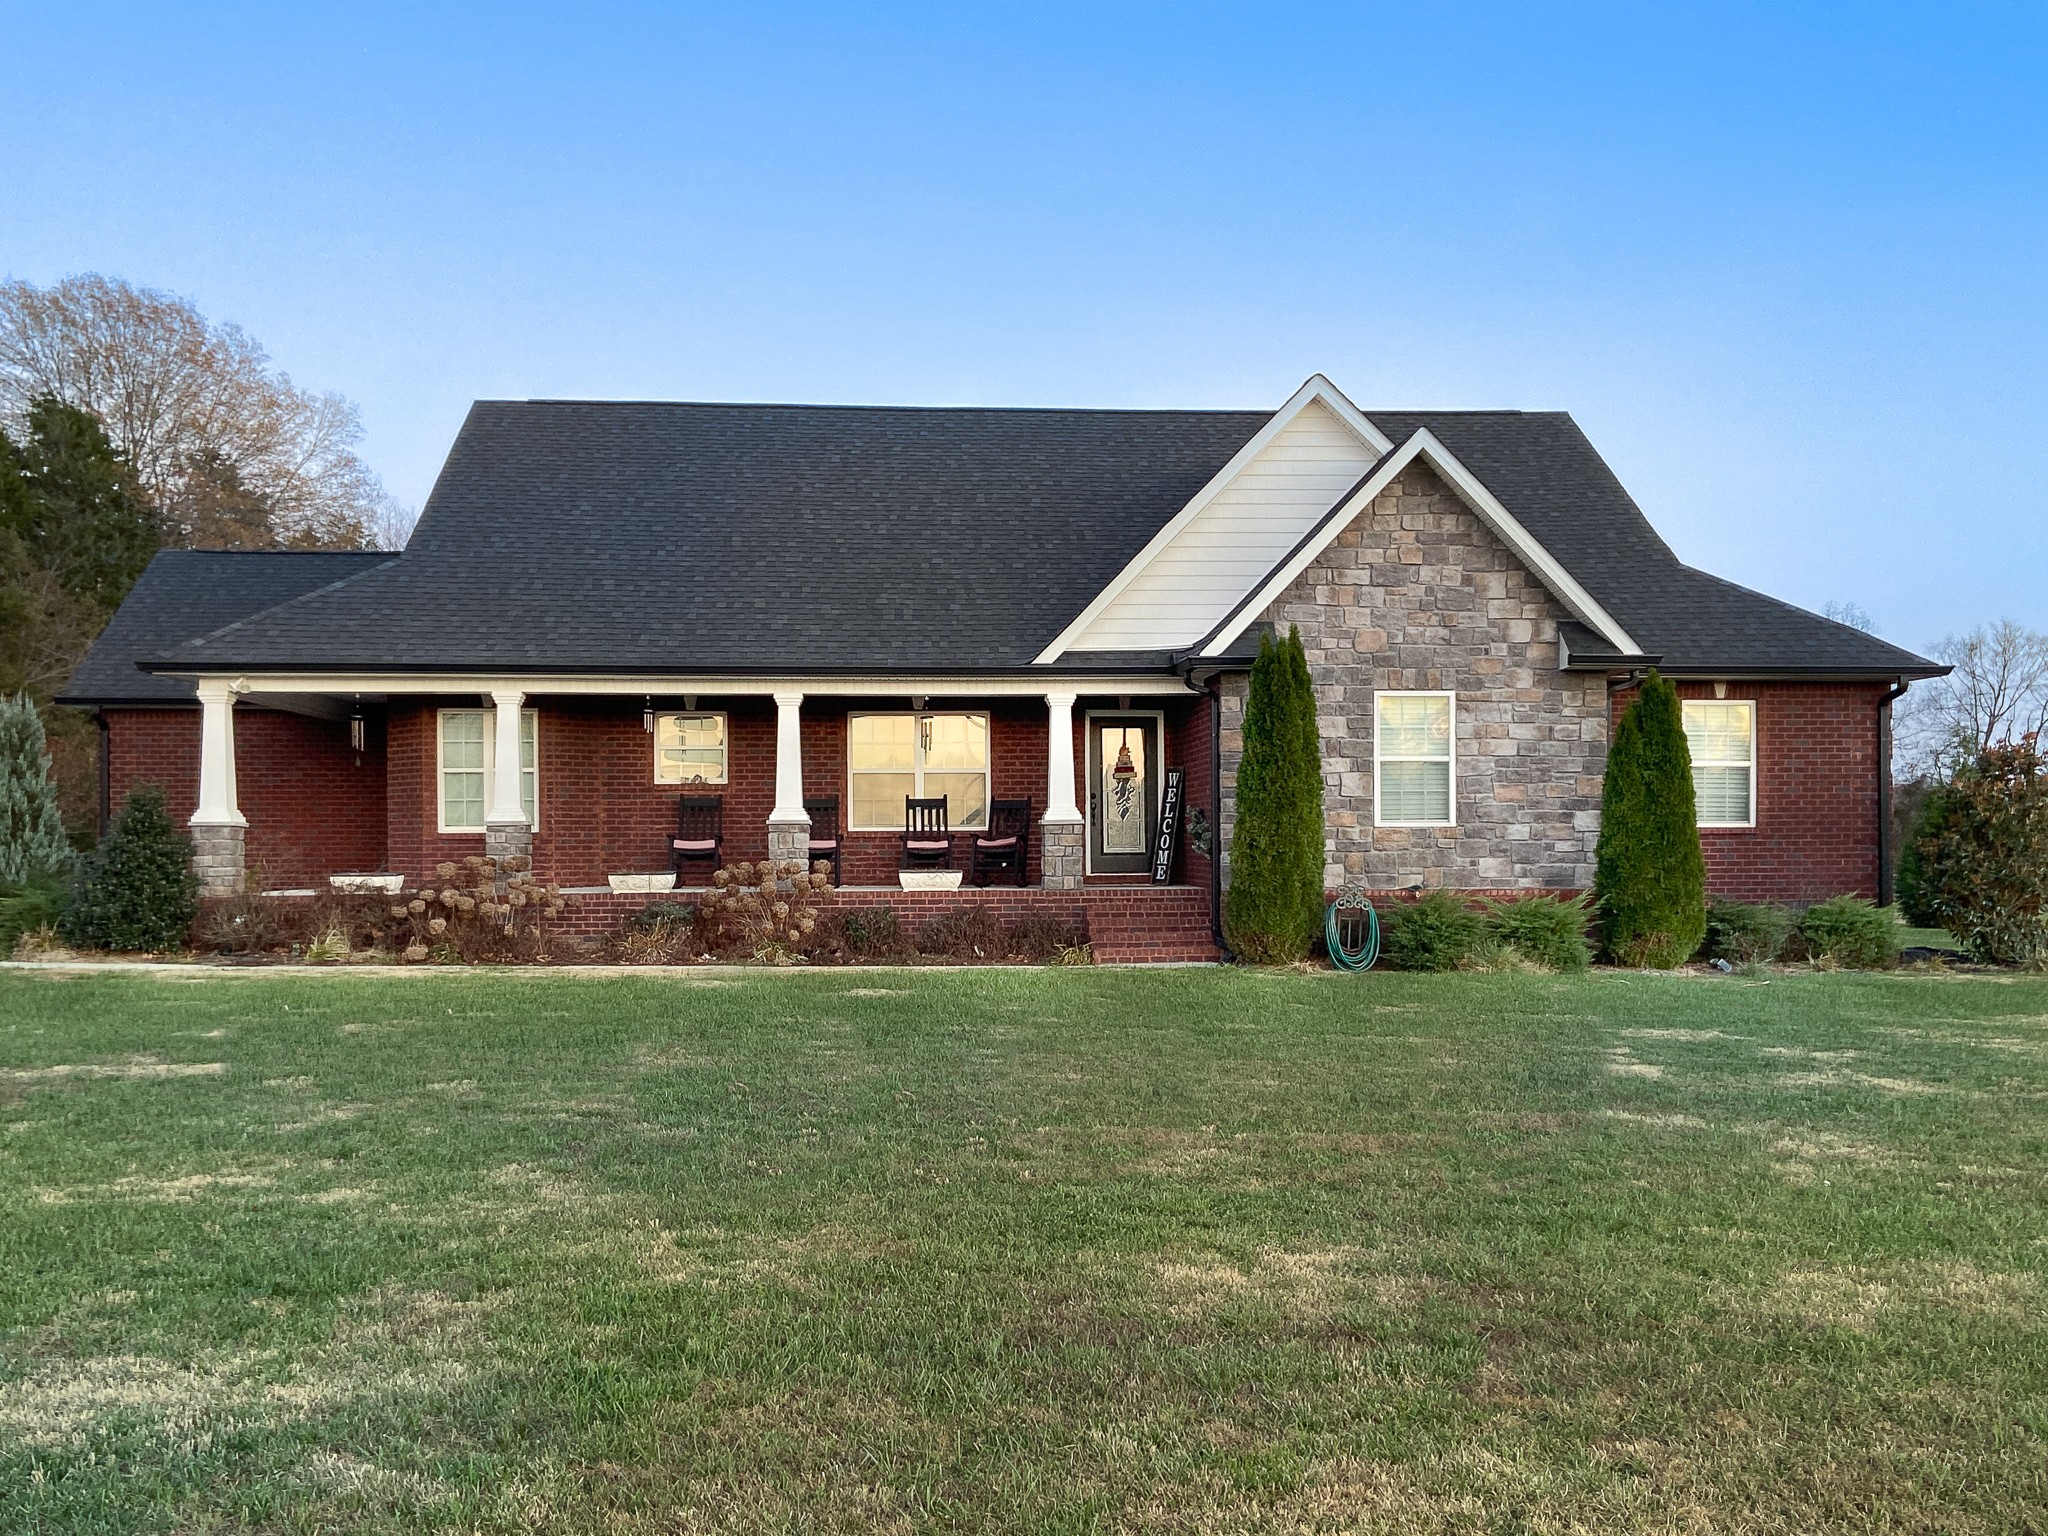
point(355, 731)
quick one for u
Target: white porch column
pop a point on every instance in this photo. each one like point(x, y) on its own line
point(218, 826)
point(789, 824)
point(1062, 831)
point(507, 832)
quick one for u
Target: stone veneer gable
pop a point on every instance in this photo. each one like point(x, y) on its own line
point(1418, 593)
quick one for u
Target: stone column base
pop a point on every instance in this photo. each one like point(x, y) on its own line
point(508, 839)
point(789, 840)
point(1062, 851)
point(218, 861)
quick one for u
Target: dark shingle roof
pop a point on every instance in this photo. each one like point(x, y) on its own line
point(589, 536)
point(188, 592)
point(572, 536)
point(1545, 471)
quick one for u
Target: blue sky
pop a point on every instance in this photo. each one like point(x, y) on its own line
point(1785, 264)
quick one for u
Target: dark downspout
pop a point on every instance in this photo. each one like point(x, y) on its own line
point(1884, 794)
point(1215, 692)
point(106, 770)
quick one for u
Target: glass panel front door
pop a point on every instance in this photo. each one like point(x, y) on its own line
point(1123, 792)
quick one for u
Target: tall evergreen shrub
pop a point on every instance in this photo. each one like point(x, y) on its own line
point(32, 842)
point(1275, 903)
point(1651, 877)
point(1986, 859)
point(139, 890)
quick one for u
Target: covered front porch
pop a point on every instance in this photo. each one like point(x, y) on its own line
point(797, 768)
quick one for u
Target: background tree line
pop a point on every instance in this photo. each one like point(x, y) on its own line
point(129, 422)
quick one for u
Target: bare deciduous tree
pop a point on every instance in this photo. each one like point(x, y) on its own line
point(230, 451)
point(1998, 692)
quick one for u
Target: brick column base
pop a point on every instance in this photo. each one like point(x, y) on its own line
point(790, 841)
point(508, 839)
point(218, 861)
point(1062, 845)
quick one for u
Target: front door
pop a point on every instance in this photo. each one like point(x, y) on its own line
point(1123, 792)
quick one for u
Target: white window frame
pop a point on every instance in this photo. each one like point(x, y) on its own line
point(490, 766)
point(724, 745)
point(917, 768)
point(1451, 759)
point(1725, 826)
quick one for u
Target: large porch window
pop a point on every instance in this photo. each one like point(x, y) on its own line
point(891, 757)
point(689, 749)
point(467, 752)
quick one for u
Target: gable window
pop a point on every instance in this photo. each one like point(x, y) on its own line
point(1722, 736)
point(1413, 779)
point(891, 757)
point(468, 749)
point(689, 749)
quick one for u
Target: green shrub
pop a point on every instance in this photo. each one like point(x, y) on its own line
point(1747, 933)
point(1849, 931)
point(1275, 905)
point(27, 907)
point(1544, 929)
point(666, 916)
point(1652, 879)
point(1437, 933)
point(32, 841)
point(1914, 887)
point(138, 892)
point(1986, 860)
point(871, 933)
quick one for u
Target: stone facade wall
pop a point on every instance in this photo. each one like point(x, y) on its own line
point(1419, 594)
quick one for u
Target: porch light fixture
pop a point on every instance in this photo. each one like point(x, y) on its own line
point(690, 701)
point(647, 715)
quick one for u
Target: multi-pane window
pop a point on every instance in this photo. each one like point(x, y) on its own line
point(689, 749)
point(893, 757)
point(468, 763)
point(1413, 772)
point(1722, 736)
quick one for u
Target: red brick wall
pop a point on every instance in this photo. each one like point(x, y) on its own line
point(1817, 794)
point(600, 810)
point(314, 806)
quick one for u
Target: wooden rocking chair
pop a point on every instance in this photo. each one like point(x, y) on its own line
point(700, 834)
point(826, 840)
point(1006, 845)
point(927, 840)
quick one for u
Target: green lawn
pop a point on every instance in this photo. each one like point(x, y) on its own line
point(1041, 1250)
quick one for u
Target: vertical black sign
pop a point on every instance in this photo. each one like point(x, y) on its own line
point(1169, 829)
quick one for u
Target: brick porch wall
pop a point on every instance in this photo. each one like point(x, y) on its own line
point(1817, 794)
point(314, 806)
point(1125, 925)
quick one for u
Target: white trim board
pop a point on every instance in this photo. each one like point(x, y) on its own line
point(1484, 505)
point(1318, 390)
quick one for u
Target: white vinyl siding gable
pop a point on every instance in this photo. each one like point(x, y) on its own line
point(1721, 736)
point(1246, 529)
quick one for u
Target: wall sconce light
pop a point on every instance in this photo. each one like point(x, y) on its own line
point(689, 701)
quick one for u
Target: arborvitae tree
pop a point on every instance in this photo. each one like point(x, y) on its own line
point(32, 841)
point(139, 889)
point(1651, 876)
point(1276, 847)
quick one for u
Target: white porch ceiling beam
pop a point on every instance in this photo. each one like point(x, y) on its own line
point(1138, 684)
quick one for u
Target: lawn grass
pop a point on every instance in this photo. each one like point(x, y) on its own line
point(1023, 1251)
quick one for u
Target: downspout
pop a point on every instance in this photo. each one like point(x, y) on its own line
point(1884, 793)
point(106, 770)
point(1215, 691)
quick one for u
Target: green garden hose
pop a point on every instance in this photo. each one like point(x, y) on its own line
point(1352, 911)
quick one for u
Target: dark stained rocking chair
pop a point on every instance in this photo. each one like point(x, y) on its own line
point(1006, 845)
point(927, 840)
point(700, 833)
point(825, 835)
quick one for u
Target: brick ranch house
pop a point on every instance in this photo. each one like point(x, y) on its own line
point(781, 604)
